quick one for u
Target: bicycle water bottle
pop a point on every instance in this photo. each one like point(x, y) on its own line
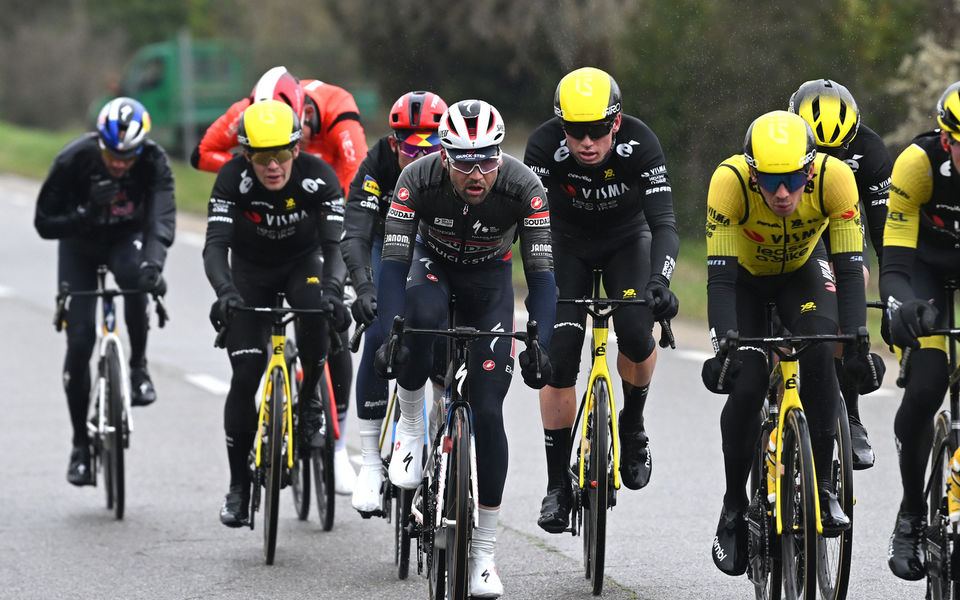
point(771, 460)
point(953, 494)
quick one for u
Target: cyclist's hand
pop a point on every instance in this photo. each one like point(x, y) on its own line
point(364, 308)
point(857, 368)
point(339, 314)
point(663, 303)
point(220, 311)
point(151, 281)
point(710, 373)
point(528, 368)
point(913, 320)
point(400, 358)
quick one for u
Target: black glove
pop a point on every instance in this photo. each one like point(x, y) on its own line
point(528, 368)
point(364, 308)
point(102, 194)
point(400, 358)
point(663, 303)
point(857, 367)
point(220, 311)
point(710, 373)
point(914, 319)
point(339, 315)
point(151, 281)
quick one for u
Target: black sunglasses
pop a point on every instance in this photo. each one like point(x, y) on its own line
point(594, 129)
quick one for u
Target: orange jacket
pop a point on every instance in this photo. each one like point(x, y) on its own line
point(339, 138)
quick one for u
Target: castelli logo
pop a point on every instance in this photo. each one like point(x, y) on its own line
point(488, 365)
point(753, 235)
point(403, 194)
point(848, 214)
point(432, 277)
point(536, 203)
point(255, 217)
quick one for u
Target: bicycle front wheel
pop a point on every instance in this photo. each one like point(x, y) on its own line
point(459, 516)
point(941, 537)
point(798, 505)
point(273, 447)
point(321, 458)
point(113, 432)
point(833, 553)
point(300, 477)
point(599, 435)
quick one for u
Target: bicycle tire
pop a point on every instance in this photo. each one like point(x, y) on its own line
point(833, 553)
point(763, 568)
point(437, 558)
point(457, 507)
point(402, 501)
point(598, 480)
point(798, 503)
point(113, 432)
point(941, 541)
point(274, 467)
point(300, 476)
point(321, 457)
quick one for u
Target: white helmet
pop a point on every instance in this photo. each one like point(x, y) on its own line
point(471, 125)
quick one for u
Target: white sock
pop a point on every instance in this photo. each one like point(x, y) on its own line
point(411, 409)
point(369, 430)
point(485, 535)
point(341, 443)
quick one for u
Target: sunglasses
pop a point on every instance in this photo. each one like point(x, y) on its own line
point(793, 180)
point(595, 130)
point(265, 157)
point(412, 151)
point(467, 166)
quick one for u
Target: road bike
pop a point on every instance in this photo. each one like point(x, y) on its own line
point(279, 440)
point(111, 422)
point(445, 505)
point(788, 555)
point(597, 445)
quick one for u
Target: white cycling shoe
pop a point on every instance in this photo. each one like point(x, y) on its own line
point(366, 492)
point(484, 579)
point(344, 477)
point(406, 464)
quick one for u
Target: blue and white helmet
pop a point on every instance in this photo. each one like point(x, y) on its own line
point(123, 125)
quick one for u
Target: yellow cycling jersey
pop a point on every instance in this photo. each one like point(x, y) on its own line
point(911, 186)
point(740, 224)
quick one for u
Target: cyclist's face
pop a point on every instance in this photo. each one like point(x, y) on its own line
point(473, 187)
point(274, 175)
point(782, 201)
point(952, 146)
point(590, 151)
point(115, 165)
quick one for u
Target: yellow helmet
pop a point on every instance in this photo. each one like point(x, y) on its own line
point(268, 124)
point(830, 110)
point(948, 111)
point(587, 94)
point(779, 142)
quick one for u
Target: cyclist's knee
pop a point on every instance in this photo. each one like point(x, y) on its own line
point(636, 349)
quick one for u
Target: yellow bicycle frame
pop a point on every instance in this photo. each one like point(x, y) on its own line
point(276, 360)
point(598, 371)
point(790, 402)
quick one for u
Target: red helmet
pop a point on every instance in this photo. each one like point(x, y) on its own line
point(279, 84)
point(417, 110)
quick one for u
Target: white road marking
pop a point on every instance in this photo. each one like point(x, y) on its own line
point(209, 383)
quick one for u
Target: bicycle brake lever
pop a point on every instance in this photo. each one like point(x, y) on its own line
point(666, 335)
point(357, 335)
point(162, 315)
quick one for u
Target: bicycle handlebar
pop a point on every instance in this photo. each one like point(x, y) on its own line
point(58, 318)
point(904, 373)
point(604, 307)
point(282, 316)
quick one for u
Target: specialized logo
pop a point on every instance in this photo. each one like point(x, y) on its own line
point(403, 194)
point(488, 365)
point(536, 203)
point(407, 460)
point(370, 185)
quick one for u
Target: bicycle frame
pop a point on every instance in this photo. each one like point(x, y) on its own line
point(600, 370)
point(278, 340)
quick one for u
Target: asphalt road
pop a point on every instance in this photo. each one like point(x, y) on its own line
point(58, 541)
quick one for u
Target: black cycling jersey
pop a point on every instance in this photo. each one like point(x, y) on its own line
point(79, 198)
point(870, 162)
point(272, 228)
point(613, 199)
point(370, 195)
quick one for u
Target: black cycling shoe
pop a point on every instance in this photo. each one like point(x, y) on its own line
point(312, 418)
point(905, 553)
point(555, 510)
point(730, 544)
point(236, 506)
point(832, 517)
point(863, 456)
point(636, 461)
point(79, 472)
point(142, 392)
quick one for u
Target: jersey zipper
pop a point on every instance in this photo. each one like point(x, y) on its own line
point(463, 235)
point(783, 263)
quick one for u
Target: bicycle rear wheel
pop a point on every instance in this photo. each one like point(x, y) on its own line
point(798, 503)
point(598, 485)
point(431, 543)
point(113, 432)
point(941, 535)
point(833, 553)
point(401, 530)
point(300, 477)
point(274, 467)
point(457, 507)
point(321, 457)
